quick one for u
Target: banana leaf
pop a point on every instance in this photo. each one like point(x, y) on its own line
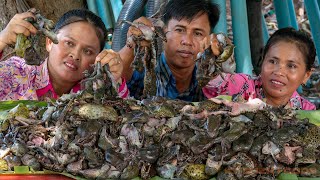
point(26, 170)
point(287, 176)
point(7, 105)
point(313, 116)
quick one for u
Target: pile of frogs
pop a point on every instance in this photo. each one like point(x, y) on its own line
point(126, 138)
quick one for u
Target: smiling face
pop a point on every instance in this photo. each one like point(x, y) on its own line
point(77, 49)
point(183, 41)
point(283, 71)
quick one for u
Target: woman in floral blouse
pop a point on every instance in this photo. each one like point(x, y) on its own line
point(288, 60)
point(81, 35)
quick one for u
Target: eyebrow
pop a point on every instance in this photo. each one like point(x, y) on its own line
point(86, 45)
point(197, 29)
point(289, 60)
point(293, 61)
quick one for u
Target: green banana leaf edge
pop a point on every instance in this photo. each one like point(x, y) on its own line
point(8, 105)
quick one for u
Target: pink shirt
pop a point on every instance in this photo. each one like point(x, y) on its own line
point(19, 81)
point(246, 85)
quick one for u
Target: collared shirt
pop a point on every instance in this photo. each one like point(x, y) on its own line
point(245, 85)
point(19, 81)
point(166, 84)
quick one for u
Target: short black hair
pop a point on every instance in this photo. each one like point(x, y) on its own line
point(189, 9)
point(300, 38)
point(78, 15)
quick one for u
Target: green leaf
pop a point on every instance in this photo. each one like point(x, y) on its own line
point(287, 176)
point(307, 178)
point(225, 97)
point(7, 105)
point(313, 116)
point(21, 169)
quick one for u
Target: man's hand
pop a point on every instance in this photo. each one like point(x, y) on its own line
point(108, 56)
point(212, 41)
point(17, 25)
point(135, 32)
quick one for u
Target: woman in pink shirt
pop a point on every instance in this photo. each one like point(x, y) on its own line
point(288, 60)
point(81, 35)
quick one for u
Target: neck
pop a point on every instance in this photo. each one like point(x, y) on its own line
point(183, 78)
point(276, 102)
point(61, 87)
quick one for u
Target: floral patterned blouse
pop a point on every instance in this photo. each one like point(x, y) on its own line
point(19, 81)
point(245, 85)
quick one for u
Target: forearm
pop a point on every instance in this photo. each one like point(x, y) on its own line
point(2, 46)
point(127, 56)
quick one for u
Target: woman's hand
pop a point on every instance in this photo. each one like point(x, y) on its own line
point(108, 56)
point(213, 41)
point(17, 25)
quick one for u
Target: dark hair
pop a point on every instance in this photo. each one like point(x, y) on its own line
point(300, 38)
point(189, 9)
point(78, 15)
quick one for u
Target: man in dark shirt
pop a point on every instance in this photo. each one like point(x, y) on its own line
point(187, 23)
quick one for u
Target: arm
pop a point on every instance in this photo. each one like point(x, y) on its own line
point(17, 25)
point(127, 56)
point(127, 52)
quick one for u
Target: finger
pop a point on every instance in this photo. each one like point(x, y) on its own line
point(228, 40)
point(25, 15)
point(114, 62)
point(106, 56)
point(135, 31)
point(116, 71)
point(144, 21)
point(116, 67)
point(19, 19)
point(26, 32)
point(101, 55)
point(29, 26)
point(18, 29)
point(33, 10)
point(215, 45)
point(204, 44)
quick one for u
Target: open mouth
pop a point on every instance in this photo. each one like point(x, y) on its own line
point(277, 83)
point(71, 66)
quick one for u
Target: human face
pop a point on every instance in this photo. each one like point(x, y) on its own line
point(283, 71)
point(77, 49)
point(183, 40)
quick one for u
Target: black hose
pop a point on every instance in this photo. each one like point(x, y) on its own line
point(131, 10)
point(152, 7)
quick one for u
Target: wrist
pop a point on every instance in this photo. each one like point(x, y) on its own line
point(2, 45)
